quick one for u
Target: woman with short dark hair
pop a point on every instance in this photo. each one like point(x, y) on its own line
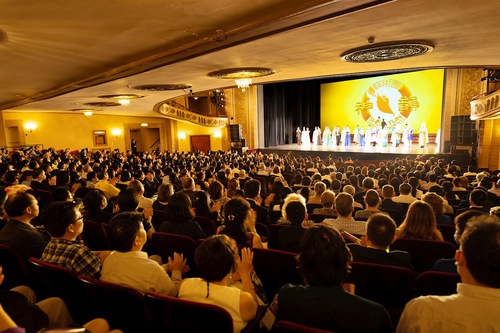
point(180, 217)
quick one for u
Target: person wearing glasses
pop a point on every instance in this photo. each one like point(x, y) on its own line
point(64, 223)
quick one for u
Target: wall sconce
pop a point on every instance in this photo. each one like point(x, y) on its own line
point(116, 132)
point(182, 135)
point(144, 124)
point(217, 134)
point(30, 126)
point(88, 114)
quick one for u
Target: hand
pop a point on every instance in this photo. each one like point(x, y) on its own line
point(178, 263)
point(216, 207)
point(245, 266)
point(148, 213)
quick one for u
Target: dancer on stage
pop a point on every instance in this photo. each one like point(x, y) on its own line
point(318, 135)
point(327, 138)
point(396, 135)
point(361, 137)
point(315, 136)
point(423, 136)
point(407, 136)
point(355, 137)
point(298, 135)
point(347, 136)
point(338, 135)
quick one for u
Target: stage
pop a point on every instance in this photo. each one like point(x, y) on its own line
point(368, 154)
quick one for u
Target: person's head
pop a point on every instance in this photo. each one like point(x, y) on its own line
point(126, 232)
point(296, 212)
point(344, 204)
point(21, 204)
point(11, 177)
point(462, 219)
point(479, 252)
point(420, 222)
point(252, 188)
point(215, 190)
point(349, 189)
point(165, 191)
point(95, 200)
point(380, 230)
point(372, 198)
point(319, 188)
point(405, 189)
point(127, 200)
point(478, 197)
point(368, 183)
point(188, 184)
point(62, 218)
point(327, 199)
point(201, 203)
point(324, 257)
point(179, 208)
point(387, 191)
point(137, 186)
point(62, 194)
point(236, 212)
point(216, 257)
point(435, 201)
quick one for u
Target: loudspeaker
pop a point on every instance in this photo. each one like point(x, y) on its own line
point(235, 132)
point(462, 131)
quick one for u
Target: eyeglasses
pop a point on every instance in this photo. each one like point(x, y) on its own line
point(78, 219)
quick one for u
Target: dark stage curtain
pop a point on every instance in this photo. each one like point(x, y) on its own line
point(287, 106)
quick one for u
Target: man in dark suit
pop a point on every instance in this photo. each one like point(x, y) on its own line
point(387, 202)
point(380, 233)
point(477, 201)
point(289, 237)
point(18, 233)
point(38, 177)
point(252, 195)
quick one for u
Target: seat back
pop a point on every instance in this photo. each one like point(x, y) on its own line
point(448, 232)
point(94, 236)
point(207, 225)
point(284, 326)
point(15, 268)
point(158, 217)
point(274, 216)
point(318, 218)
point(44, 197)
point(165, 244)
point(262, 230)
point(273, 239)
point(276, 268)
point(51, 280)
point(397, 216)
point(438, 283)
point(311, 206)
point(123, 307)
point(424, 253)
point(171, 314)
point(390, 286)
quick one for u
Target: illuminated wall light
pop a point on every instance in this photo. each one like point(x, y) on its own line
point(182, 135)
point(144, 124)
point(243, 83)
point(217, 134)
point(88, 113)
point(116, 132)
point(30, 126)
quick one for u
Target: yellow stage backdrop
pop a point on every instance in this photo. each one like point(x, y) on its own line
point(408, 98)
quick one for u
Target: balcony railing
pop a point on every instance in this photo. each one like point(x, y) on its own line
point(177, 111)
point(485, 107)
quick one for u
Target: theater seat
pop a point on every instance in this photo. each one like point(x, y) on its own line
point(438, 283)
point(284, 326)
point(15, 268)
point(171, 314)
point(94, 236)
point(165, 244)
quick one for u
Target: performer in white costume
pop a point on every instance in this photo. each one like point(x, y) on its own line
point(423, 136)
point(327, 136)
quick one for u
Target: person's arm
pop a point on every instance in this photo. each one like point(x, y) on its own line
point(249, 301)
point(257, 241)
point(170, 285)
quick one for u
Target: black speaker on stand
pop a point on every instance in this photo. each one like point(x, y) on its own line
point(462, 131)
point(235, 132)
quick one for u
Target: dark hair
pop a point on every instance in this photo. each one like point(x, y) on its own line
point(61, 194)
point(136, 185)
point(127, 200)
point(372, 198)
point(215, 257)
point(57, 216)
point(17, 204)
point(380, 229)
point(295, 212)
point(462, 219)
point(479, 197)
point(179, 208)
point(235, 213)
point(123, 229)
point(215, 190)
point(252, 188)
point(201, 204)
point(323, 257)
point(93, 200)
point(480, 245)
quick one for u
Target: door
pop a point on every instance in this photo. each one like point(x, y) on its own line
point(200, 142)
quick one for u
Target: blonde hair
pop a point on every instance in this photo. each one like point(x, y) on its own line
point(435, 201)
point(327, 199)
point(420, 223)
point(289, 198)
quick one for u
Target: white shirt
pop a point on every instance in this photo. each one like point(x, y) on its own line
point(347, 224)
point(134, 269)
point(404, 198)
point(474, 309)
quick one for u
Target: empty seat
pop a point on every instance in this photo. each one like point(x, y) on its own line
point(123, 307)
point(424, 253)
point(171, 314)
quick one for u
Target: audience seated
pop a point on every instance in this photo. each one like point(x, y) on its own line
point(180, 217)
point(475, 306)
point(322, 302)
point(372, 199)
point(420, 223)
point(327, 201)
point(290, 236)
point(345, 221)
point(131, 267)
point(95, 202)
point(380, 233)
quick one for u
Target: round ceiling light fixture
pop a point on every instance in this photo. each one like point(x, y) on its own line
point(242, 76)
point(163, 87)
point(387, 51)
